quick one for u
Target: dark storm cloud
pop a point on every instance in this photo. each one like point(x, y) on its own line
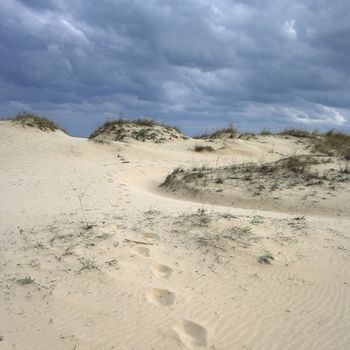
point(199, 63)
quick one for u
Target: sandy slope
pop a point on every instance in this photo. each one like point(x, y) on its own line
point(194, 280)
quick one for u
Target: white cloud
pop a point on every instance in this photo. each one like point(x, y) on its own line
point(290, 30)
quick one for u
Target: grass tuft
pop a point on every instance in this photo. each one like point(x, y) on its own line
point(298, 132)
point(230, 131)
point(34, 120)
point(25, 280)
point(334, 143)
point(265, 258)
point(200, 148)
point(265, 132)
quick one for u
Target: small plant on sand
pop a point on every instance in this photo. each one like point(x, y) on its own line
point(168, 180)
point(265, 258)
point(200, 148)
point(257, 220)
point(80, 196)
point(344, 166)
point(296, 164)
point(25, 280)
point(102, 141)
point(219, 181)
point(34, 120)
point(88, 263)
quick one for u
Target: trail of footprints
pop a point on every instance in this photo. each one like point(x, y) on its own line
point(191, 334)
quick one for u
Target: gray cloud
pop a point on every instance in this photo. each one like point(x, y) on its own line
point(197, 64)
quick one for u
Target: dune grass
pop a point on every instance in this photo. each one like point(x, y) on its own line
point(298, 132)
point(144, 122)
point(259, 177)
point(331, 143)
point(229, 131)
point(265, 132)
point(34, 120)
point(334, 143)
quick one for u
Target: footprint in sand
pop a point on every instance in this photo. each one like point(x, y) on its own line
point(191, 334)
point(161, 271)
point(160, 297)
point(151, 237)
point(143, 251)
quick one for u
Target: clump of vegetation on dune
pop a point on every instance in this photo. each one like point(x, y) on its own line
point(302, 133)
point(146, 122)
point(334, 143)
point(201, 148)
point(331, 143)
point(229, 131)
point(36, 121)
point(258, 177)
point(265, 132)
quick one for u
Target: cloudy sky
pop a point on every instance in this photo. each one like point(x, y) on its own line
point(197, 64)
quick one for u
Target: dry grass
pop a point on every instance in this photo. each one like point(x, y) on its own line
point(265, 132)
point(230, 131)
point(331, 143)
point(298, 132)
point(334, 143)
point(36, 121)
point(258, 178)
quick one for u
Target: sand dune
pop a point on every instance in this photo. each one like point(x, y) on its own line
point(94, 255)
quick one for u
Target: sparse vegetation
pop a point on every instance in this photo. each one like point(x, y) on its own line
point(169, 178)
point(25, 280)
point(265, 258)
point(102, 141)
point(88, 263)
point(269, 180)
point(219, 180)
point(201, 148)
point(144, 129)
point(333, 143)
point(145, 122)
point(36, 121)
point(344, 166)
point(80, 197)
point(230, 132)
point(265, 132)
point(297, 132)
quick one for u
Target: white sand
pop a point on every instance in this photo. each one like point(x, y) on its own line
point(152, 273)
